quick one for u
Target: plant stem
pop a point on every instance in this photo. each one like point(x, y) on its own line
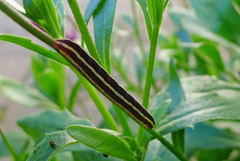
point(73, 96)
point(84, 30)
point(9, 146)
point(61, 94)
point(51, 19)
point(123, 121)
point(146, 93)
point(98, 101)
point(178, 140)
point(137, 32)
point(169, 146)
point(25, 23)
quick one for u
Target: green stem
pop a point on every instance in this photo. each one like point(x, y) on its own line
point(169, 146)
point(9, 146)
point(137, 31)
point(123, 121)
point(146, 93)
point(73, 96)
point(178, 140)
point(25, 23)
point(84, 30)
point(61, 95)
point(98, 101)
point(51, 19)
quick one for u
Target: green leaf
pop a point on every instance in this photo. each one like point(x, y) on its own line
point(46, 15)
point(220, 17)
point(16, 6)
point(166, 41)
point(24, 95)
point(205, 136)
point(45, 151)
point(177, 95)
point(176, 91)
point(103, 19)
point(187, 20)
point(90, 155)
point(197, 86)
point(155, 8)
point(144, 7)
point(48, 121)
point(102, 141)
point(63, 156)
point(74, 94)
point(206, 99)
point(158, 152)
point(158, 110)
point(59, 9)
point(139, 68)
point(213, 154)
point(19, 140)
point(27, 43)
point(32, 9)
point(219, 105)
point(50, 78)
point(153, 151)
point(92, 6)
point(209, 59)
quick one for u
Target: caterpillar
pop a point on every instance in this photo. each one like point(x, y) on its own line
point(102, 81)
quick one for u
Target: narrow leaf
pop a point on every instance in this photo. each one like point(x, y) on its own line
point(197, 86)
point(48, 121)
point(219, 105)
point(50, 78)
point(46, 15)
point(205, 136)
point(51, 145)
point(15, 5)
point(102, 141)
point(24, 95)
point(90, 155)
point(103, 23)
point(18, 139)
point(189, 22)
point(158, 111)
point(175, 88)
point(73, 95)
point(219, 16)
point(177, 95)
point(92, 6)
point(27, 43)
point(207, 98)
point(144, 6)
